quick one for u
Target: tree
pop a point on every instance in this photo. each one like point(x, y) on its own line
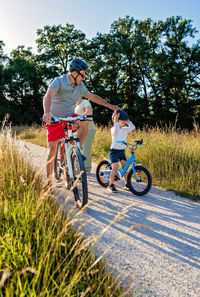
point(58, 45)
point(177, 70)
point(24, 86)
point(3, 102)
point(102, 55)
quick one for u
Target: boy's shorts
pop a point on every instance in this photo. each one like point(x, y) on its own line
point(56, 131)
point(116, 155)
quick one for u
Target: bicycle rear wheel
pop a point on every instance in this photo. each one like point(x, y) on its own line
point(80, 179)
point(142, 184)
point(103, 173)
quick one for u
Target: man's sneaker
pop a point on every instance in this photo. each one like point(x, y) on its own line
point(126, 188)
point(112, 189)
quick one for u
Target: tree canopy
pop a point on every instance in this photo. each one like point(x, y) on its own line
point(149, 68)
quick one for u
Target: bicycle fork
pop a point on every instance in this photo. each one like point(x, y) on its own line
point(68, 153)
point(69, 163)
point(136, 174)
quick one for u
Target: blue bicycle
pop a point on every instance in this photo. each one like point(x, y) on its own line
point(139, 179)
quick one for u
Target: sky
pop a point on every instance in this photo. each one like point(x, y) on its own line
point(20, 19)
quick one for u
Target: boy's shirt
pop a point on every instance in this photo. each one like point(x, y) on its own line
point(119, 135)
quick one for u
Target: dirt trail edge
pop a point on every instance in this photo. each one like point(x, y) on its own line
point(163, 260)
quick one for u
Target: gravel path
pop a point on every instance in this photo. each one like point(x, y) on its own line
point(163, 260)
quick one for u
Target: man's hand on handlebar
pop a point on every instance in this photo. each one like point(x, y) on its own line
point(47, 117)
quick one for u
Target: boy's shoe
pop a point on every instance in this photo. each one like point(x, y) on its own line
point(112, 189)
point(126, 188)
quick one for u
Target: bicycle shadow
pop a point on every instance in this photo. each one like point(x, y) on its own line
point(173, 221)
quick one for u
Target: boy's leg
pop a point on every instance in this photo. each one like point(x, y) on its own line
point(113, 172)
point(123, 163)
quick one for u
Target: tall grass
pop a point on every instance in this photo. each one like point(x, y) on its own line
point(35, 134)
point(172, 156)
point(41, 254)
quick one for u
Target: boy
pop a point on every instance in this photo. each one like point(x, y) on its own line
point(119, 131)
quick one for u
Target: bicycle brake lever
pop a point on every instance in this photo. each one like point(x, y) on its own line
point(54, 120)
point(82, 118)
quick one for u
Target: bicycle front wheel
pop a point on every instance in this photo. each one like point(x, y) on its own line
point(80, 178)
point(61, 167)
point(141, 183)
point(58, 162)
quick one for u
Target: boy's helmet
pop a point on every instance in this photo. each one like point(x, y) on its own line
point(123, 115)
point(79, 65)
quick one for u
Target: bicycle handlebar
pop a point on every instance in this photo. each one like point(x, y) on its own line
point(137, 142)
point(131, 146)
point(55, 119)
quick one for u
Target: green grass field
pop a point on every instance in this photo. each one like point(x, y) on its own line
point(172, 156)
point(41, 254)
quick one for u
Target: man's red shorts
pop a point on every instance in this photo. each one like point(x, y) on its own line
point(56, 131)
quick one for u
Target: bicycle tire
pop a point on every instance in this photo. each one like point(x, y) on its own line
point(81, 190)
point(57, 162)
point(142, 186)
point(102, 178)
point(60, 167)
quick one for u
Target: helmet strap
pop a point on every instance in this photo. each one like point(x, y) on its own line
point(75, 78)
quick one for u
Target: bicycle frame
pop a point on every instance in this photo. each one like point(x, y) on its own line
point(128, 163)
point(120, 173)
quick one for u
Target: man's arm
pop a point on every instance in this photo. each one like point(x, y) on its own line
point(47, 104)
point(98, 100)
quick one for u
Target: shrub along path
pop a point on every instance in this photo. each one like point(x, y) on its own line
point(163, 257)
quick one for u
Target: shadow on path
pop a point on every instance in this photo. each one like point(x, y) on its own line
point(174, 221)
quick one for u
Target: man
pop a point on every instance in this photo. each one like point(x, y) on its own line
point(6, 124)
point(60, 100)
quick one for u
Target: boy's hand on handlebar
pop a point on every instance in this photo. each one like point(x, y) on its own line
point(47, 117)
